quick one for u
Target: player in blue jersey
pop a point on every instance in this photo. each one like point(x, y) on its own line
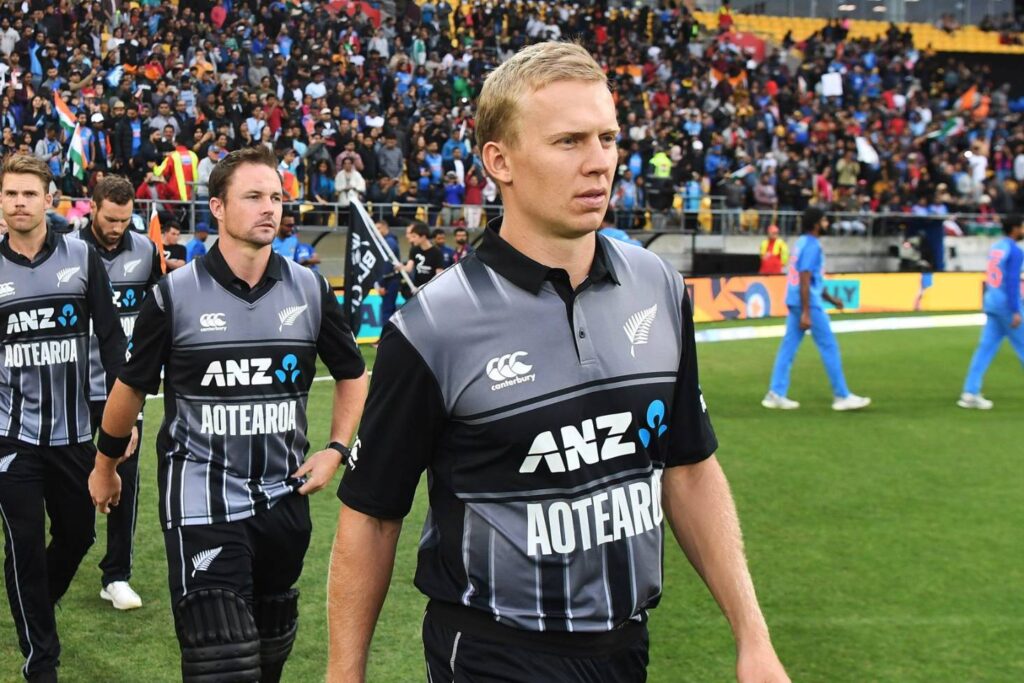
point(806, 297)
point(1002, 310)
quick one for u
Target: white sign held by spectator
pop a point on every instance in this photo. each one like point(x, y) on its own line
point(866, 153)
point(832, 85)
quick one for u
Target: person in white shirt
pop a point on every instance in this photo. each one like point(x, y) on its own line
point(1018, 165)
point(317, 88)
point(8, 37)
point(349, 183)
point(380, 44)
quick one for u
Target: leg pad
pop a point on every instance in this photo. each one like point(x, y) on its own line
point(218, 638)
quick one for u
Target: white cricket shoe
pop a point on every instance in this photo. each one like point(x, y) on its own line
point(976, 401)
point(121, 595)
point(776, 402)
point(851, 402)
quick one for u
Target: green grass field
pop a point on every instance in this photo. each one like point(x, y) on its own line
point(886, 545)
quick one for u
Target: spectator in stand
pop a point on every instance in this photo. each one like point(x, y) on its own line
point(454, 194)
point(626, 199)
point(197, 245)
point(447, 253)
point(463, 250)
point(766, 200)
point(322, 190)
point(390, 158)
point(174, 254)
point(286, 243)
point(774, 253)
point(388, 279)
point(349, 183)
point(475, 182)
point(274, 78)
point(213, 155)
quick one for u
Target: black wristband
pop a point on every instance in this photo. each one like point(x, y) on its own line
point(341, 448)
point(112, 446)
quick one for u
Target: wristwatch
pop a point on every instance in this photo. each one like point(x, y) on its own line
point(341, 448)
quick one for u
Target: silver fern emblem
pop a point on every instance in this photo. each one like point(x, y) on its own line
point(202, 561)
point(5, 462)
point(64, 275)
point(289, 315)
point(130, 267)
point(638, 327)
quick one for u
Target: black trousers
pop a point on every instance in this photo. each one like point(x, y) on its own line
point(36, 482)
point(258, 556)
point(116, 564)
point(462, 657)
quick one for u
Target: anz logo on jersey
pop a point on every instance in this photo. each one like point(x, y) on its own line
point(251, 372)
point(41, 319)
point(595, 440)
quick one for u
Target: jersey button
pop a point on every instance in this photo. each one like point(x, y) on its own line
point(583, 334)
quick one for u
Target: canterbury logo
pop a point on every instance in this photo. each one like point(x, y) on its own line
point(507, 366)
point(289, 315)
point(130, 267)
point(5, 462)
point(202, 561)
point(638, 327)
point(64, 275)
point(213, 322)
point(509, 370)
point(6, 289)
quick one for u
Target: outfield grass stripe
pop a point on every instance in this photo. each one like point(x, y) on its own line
point(843, 326)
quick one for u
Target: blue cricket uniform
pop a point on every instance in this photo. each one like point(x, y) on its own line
point(194, 249)
point(286, 246)
point(808, 257)
point(1002, 300)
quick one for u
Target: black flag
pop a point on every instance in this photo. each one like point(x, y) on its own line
point(365, 258)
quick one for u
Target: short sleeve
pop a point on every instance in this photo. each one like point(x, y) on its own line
point(149, 346)
point(691, 436)
point(401, 427)
point(335, 344)
point(809, 258)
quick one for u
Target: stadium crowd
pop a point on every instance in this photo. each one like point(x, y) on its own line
point(381, 108)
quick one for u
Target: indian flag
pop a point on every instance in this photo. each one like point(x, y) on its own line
point(76, 155)
point(67, 119)
point(953, 126)
point(969, 100)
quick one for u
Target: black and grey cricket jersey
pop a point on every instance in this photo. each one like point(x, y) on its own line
point(544, 418)
point(133, 267)
point(46, 306)
point(238, 366)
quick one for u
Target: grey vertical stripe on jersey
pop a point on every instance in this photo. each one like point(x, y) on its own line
point(467, 525)
point(607, 587)
point(494, 583)
point(539, 595)
point(568, 593)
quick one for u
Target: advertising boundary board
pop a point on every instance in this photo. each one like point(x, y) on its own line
point(747, 297)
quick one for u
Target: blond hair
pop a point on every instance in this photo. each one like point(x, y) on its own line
point(26, 164)
point(529, 70)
